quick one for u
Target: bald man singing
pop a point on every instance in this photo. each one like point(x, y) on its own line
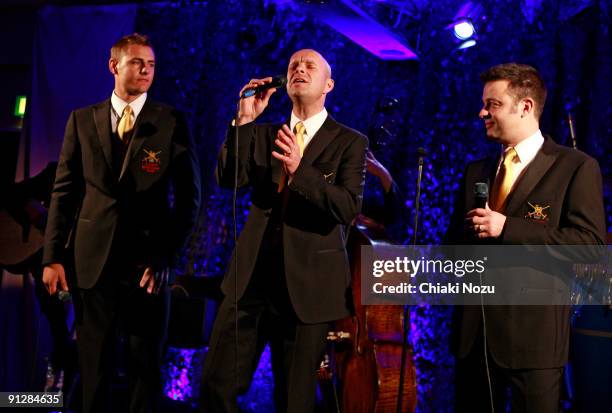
point(306, 178)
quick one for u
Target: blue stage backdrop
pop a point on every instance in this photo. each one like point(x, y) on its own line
point(207, 50)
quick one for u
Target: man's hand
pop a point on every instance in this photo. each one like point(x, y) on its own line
point(52, 275)
point(251, 107)
point(154, 281)
point(290, 157)
point(378, 170)
point(485, 223)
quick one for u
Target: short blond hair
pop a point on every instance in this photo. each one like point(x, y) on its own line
point(120, 45)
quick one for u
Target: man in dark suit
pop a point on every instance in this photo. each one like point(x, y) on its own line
point(120, 161)
point(526, 347)
point(289, 275)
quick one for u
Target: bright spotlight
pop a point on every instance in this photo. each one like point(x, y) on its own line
point(463, 30)
point(466, 44)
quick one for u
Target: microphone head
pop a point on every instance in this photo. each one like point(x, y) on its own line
point(64, 296)
point(481, 190)
point(279, 81)
point(276, 83)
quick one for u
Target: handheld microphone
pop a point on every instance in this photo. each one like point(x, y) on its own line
point(64, 296)
point(481, 192)
point(277, 82)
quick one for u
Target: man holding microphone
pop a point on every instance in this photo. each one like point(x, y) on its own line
point(289, 275)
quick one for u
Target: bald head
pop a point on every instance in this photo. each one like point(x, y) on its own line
point(313, 55)
point(308, 82)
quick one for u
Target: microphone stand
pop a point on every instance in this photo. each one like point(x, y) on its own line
point(400, 394)
point(234, 214)
point(570, 122)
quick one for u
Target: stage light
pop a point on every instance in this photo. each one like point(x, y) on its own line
point(464, 25)
point(464, 29)
point(20, 106)
point(466, 44)
point(352, 22)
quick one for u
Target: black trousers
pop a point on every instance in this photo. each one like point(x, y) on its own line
point(117, 303)
point(525, 390)
point(264, 315)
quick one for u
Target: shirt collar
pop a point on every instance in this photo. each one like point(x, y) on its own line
point(528, 148)
point(119, 104)
point(312, 124)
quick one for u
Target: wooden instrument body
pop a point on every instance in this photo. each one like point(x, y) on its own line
point(367, 360)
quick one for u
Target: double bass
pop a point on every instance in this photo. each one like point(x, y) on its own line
point(367, 347)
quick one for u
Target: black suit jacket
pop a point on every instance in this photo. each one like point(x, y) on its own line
point(324, 197)
point(122, 216)
point(568, 181)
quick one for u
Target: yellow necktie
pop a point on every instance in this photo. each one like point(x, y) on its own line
point(126, 123)
point(504, 180)
point(300, 131)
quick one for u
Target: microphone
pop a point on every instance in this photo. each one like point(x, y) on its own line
point(277, 82)
point(64, 296)
point(481, 192)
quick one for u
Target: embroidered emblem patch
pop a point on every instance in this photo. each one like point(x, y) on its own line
point(537, 212)
point(150, 162)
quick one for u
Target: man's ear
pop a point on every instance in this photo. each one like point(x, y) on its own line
point(527, 106)
point(112, 66)
point(329, 86)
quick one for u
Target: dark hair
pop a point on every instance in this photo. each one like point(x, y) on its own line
point(524, 81)
point(127, 40)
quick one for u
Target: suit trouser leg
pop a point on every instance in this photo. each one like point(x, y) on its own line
point(535, 390)
point(527, 390)
point(95, 323)
point(147, 319)
point(472, 383)
point(296, 356)
point(230, 361)
point(99, 310)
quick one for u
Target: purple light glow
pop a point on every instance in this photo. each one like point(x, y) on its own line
point(349, 20)
point(182, 373)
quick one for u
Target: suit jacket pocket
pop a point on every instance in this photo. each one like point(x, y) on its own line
point(328, 170)
point(328, 250)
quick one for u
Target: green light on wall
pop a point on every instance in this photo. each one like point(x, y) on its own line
point(20, 106)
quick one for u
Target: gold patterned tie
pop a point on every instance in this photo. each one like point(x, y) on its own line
point(504, 180)
point(126, 123)
point(300, 131)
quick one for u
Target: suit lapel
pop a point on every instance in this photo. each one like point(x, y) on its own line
point(317, 144)
point(145, 126)
point(101, 113)
point(328, 131)
point(487, 172)
point(536, 170)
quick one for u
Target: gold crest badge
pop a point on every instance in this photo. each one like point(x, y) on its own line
point(150, 162)
point(537, 212)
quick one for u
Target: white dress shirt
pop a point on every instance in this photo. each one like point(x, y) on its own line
point(526, 150)
point(312, 124)
point(118, 104)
